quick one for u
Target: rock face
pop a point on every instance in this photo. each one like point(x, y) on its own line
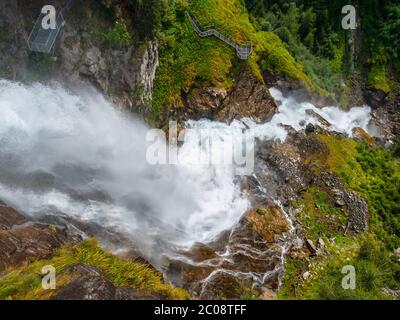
point(22, 240)
point(90, 283)
point(12, 41)
point(81, 55)
point(287, 170)
point(249, 98)
point(250, 256)
point(297, 90)
point(386, 113)
point(126, 75)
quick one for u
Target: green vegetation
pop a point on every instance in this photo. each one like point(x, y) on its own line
point(25, 282)
point(186, 59)
point(313, 34)
point(374, 267)
point(307, 35)
point(118, 36)
point(374, 173)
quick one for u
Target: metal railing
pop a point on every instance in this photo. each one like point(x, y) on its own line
point(43, 40)
point(243, 52)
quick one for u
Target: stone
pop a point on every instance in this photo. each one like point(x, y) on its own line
point(22, 240)
point(9, 217)
point(318, 117)
point(90, 283)
point(397, 253)
point(340, 202)
point(361, 135)
point(248, 99)
point(311, 247)
point(268, 294)
point(306, 275)
point(90, 287)
point(320, 244)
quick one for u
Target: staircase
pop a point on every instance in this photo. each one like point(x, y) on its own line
point(243, 52)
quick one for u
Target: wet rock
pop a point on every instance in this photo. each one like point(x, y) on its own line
point(311, 247)
point(205, 102)
point(361, 135)
point(310, 128)
point(268, 294)
point(225, 285)
point(200, 252)
point(268, 222)
point(386, 113)
point(21, 240)
point(10, 217)
point(89, 283)
point(248, 99)
point(248, 256)
point(318, 117)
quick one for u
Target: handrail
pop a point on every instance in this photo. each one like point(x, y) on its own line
point(41, 40)
point(243, 52)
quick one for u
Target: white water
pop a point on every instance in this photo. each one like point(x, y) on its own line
point(78, 155)
point(75, 154)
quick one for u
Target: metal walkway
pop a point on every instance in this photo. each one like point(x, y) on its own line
point(42, 40)
point(243, 52)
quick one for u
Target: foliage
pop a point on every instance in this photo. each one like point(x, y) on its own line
point(312, 30)
point(374, 173)
point(374, 268)
point(25, 282)
point(118, 36)
point(186, 59)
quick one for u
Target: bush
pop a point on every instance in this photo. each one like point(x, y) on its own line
point(118, 36)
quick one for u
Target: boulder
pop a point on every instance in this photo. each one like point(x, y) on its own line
point(9, 217)
point(249, 99)
point(361, 135)
point(268, 294)
point(318, 117)
point(311, 247)
point(22, 240)
point(90, 283)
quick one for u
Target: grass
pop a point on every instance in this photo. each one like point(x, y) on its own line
point(373, 173)
point(378, 79)
point(187, 60)
point(25, 282)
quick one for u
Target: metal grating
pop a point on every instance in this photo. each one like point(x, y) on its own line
point(42, 40)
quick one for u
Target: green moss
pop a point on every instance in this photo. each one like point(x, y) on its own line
point(186, 59)
point(25, 282)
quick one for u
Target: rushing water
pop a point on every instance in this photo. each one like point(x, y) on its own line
point(75, 154)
